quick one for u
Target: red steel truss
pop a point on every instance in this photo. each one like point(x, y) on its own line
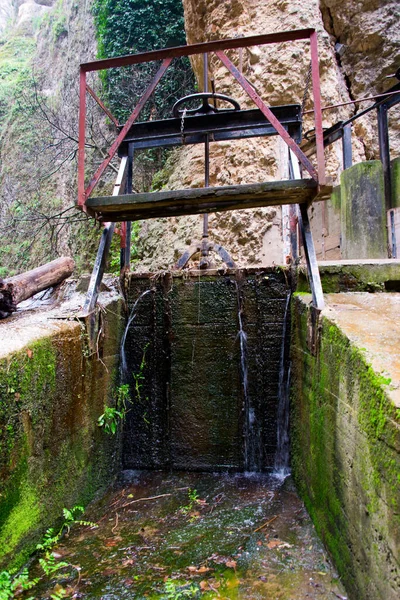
point(218, 47)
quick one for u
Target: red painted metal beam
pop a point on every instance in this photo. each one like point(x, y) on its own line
point(319, 135)
point(245, 42)
point(113, 149)
point(102, 106)
point(268, 114)
point(81, 141)
point(123, 235)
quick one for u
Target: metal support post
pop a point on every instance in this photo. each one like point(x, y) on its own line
point(311, 259)
point(384, 151)
point(125, 259)
point(204, 262)
point(346, 145)
point(104, 248)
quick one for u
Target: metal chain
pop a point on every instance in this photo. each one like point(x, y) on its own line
point(183, 125)
point(306, 89)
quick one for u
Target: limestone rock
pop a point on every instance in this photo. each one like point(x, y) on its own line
point(368, 31)
point(29, 11)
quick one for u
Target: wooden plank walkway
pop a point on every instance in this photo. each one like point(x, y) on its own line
point(173, 203)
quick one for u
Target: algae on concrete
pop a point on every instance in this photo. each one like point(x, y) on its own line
point(345, 456)
point(363, 211)
point(52, 452)
point(395, 181)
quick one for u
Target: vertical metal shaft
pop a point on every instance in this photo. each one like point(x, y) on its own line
point(125, 256)
point(206, 151)
point(384, 151)
point(347, 150)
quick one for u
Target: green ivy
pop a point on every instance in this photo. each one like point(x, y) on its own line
point(131, 26)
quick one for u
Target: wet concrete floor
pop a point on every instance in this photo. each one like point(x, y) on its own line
point(180, 535)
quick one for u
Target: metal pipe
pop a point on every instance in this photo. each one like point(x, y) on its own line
point(308, 112)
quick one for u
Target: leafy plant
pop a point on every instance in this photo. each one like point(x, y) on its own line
point(13, 583)
point(139, 377)
point(115, 251)
point(113, 415)
point(174, 590)
point(110, 419)
point(193, 499)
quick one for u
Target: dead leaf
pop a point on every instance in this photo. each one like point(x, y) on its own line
point(17, 396)
point(198, 571)
point(274, 543)
point(128, 562)
point(128, 582)
point(204, 586)
point(29, 352)
point(109, 571)
point(231, 564)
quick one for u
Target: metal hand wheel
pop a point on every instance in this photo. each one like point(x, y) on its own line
point(204, 108)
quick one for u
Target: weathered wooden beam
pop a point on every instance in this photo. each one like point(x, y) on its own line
point(131, 207)
point(14, 290)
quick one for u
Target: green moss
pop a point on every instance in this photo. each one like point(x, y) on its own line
point(24, 517)
point(50, 399)
point(344, 436)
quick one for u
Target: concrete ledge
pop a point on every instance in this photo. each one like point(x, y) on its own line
point(369, 275)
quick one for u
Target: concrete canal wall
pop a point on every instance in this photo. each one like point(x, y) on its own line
point(345, 434)
point(53, 388)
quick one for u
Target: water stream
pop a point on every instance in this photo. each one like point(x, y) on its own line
point(281, 464)
point(250, 418)
point(123, 364)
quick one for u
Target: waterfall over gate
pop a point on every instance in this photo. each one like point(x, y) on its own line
point(204, 359)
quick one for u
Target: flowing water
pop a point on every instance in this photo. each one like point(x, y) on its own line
point(250, 418)
point(281, 466)
point(177, 535)
point(123, 364)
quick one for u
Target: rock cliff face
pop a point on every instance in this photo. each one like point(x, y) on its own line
point(367, 31)
point(38, 138)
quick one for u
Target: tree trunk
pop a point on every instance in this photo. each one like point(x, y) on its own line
point(14, 290)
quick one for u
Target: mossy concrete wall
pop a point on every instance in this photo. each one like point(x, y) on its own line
point(395, 175)
point(345, 455)
point(52, 452)
point(371, 275)
point(363, 211)
point(186, 379)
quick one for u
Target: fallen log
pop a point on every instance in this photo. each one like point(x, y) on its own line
point(14, 290)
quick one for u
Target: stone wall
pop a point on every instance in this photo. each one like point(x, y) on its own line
point(53, 455)
point(190, 409)
point(345, 455)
